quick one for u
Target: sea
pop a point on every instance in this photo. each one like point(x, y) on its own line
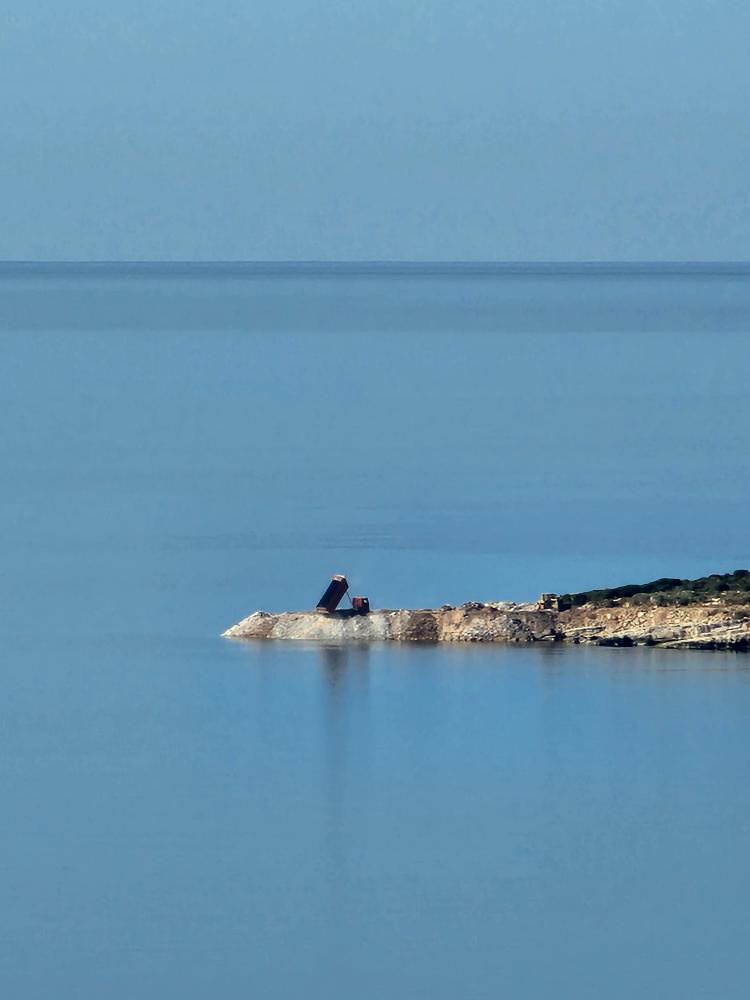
point(188, 817)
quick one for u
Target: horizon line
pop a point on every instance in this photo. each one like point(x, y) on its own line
point(625, 262)
point(382, 266)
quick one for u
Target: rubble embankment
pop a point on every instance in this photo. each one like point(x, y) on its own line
point(715, 623)
point(473, 622)
point(712, 612)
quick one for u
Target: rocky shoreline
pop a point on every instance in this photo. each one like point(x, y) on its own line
point(715, 623)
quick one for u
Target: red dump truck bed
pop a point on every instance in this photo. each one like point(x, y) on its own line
point(336, 590)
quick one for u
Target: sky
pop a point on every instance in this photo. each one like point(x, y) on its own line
point(374, 130)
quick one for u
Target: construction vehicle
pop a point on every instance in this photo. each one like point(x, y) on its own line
point(329, 602)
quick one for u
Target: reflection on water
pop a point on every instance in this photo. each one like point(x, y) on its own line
point(344, 670)
point(339, 661)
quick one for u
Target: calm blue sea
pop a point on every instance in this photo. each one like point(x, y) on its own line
point(186, 817)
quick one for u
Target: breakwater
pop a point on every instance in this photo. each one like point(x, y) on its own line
point(711, 624)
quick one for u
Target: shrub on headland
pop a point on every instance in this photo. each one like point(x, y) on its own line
point(731, 587)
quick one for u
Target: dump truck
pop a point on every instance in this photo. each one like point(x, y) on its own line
point(331, 599)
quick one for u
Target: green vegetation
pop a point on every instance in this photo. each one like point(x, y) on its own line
point(731, 587)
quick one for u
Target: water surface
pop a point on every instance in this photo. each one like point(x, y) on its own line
point(186, 816)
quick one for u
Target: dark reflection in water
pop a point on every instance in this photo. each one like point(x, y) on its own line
point(336, 662)
point(345, 674)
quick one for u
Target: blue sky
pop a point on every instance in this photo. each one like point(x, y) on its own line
point(343, 129)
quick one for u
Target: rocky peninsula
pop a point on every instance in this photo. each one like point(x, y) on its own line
point(709, 613)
